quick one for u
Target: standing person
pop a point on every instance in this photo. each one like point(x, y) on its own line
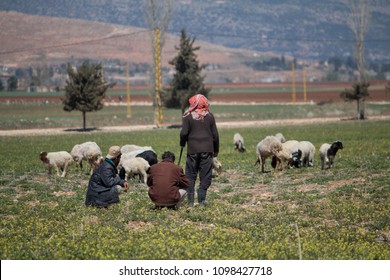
point(200, 132)
point(105, 184)
point(167, 182)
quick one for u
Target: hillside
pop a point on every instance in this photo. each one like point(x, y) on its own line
point(301, 28)
point(30, 41)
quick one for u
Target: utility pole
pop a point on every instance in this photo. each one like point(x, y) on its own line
point(158, 108)
point(304, 83)
point(128, 91)
point(293, 96)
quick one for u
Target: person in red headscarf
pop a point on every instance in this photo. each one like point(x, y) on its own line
point(199, 131)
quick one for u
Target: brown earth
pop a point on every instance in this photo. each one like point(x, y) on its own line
point(236, 98)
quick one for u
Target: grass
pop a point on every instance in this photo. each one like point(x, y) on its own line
point(305, 213)
point(52, 115)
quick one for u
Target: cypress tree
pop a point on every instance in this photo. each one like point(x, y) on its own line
point(85, 89)
point(187, 80)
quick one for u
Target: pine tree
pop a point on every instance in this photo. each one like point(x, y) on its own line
point(187, 80)
point(85, 89)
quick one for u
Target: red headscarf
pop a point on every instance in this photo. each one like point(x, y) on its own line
point(199, 107)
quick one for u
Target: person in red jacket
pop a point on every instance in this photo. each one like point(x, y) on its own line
point(167, 182)
point(200, 132)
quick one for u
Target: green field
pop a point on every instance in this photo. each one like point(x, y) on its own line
point(336, 214)
point(51, 115)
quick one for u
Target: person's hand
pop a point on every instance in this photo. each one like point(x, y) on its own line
point(126, 186)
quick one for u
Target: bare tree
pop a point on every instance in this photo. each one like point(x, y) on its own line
point(158, 16)
point(359, 23)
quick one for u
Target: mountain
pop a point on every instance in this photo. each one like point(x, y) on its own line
point(305, 29)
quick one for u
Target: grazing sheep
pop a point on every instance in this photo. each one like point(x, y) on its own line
point(268, 147)
point(217, 165)
point(88, 151)
point(328, 153)
point(146, 153)
point(238, 142)
point(134, 166)
point(308, 151)
point(280, 137)
point(125, 149)
point(149, 155)
point(286, 155)
point(296, 156)
point(59, 160)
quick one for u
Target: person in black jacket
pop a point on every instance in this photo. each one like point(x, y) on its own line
point(105, 184)
point(200, 132)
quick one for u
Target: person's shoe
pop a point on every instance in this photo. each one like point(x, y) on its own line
point(202, 204)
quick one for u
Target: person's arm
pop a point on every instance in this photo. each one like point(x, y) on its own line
point(215, 133)
point(184, 132)
point(184, 183)
point(110, 178)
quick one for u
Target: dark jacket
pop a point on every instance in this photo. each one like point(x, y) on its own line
point(101, 191)
point(201, 135)
point(164, 181)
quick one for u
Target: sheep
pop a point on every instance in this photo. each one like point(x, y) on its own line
point(217, 165)
point(59, 160)
point(125, 149)
point(280, 137)
point(134, 166)
point(238, 142)
point(149, 155)
point(328, 153)
point(268, 147)
point(88, 151)
point(286, 155)
point(146, 153)
point(308, 151)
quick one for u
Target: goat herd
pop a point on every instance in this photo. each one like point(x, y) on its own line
point(136, 160)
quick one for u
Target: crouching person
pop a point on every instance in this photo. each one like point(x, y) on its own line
point(167, 183)
point(105, 184)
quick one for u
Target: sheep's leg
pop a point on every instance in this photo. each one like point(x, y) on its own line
point(57, 170)
point(261, 162)
point(65, 170)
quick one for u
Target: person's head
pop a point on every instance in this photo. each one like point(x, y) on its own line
point(168, 156)
point(199, 101)
point(199, 107)
point(114, 153)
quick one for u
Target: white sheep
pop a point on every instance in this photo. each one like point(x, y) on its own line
point(308, 151)
point(328, 153)
point(285, 154)
point(280, 137)
point(134, 166)
point(268, 147)
point(89, 151)
point(217, 165)
point(238, 142)
point(57, 160)
point(131, 148)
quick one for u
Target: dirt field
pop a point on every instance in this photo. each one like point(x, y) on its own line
point(244, 93)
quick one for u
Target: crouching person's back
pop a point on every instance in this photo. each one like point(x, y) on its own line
point(167, 183)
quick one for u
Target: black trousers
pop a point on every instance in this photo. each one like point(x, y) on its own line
point(202, 164)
